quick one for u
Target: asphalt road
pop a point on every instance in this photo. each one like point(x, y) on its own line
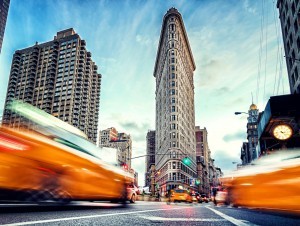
point(140, 213)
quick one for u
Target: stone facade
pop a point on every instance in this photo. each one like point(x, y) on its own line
point(150, 158)
point(175, 111)
point(122, 141)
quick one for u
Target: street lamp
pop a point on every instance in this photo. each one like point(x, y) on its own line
point(240, 112)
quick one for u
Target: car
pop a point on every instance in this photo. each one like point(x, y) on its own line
point(131, 193)
point(194, 197)
point(55, 163)
point(203, 198)
point(260, 184)
point(221, 197)
point(198, 197)
point(180, 195)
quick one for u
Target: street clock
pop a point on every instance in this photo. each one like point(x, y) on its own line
point(282, 132)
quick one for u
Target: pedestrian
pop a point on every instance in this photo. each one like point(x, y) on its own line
point(158, 196)
point(168, 196)
point(214, 191)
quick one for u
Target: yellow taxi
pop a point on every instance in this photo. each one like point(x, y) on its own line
point(271, 182)
point(181, 195)
point(55, 164)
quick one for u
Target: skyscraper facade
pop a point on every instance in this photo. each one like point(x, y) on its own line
point(58, 77)
point(150, 158)
point(289, 14)
point(4, 6)
point(175, 113)
point(203, 159)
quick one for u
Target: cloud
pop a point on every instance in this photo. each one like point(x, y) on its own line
point(144, 40)
point(221, 91)
point(138, 131)
point(240, 135)
point(225, 161)
point(248, 8)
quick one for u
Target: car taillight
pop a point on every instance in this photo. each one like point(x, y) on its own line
point(8, 144)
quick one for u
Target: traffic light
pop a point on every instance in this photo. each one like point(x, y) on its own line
point(186, 161)
point(197, 182)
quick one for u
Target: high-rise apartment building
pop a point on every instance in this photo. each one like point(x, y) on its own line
point(60, 78)
point(122, 141)
point(175, 113)
point(150, 158)
point(4, 6)
point(289, 14)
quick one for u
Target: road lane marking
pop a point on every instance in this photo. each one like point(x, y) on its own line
point(181, 219)
point(91, 216)
point(231, 219)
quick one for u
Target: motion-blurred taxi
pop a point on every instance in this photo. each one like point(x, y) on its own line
point(54, 163)
point(180, 195)
point(271, 182)
point(131, 192)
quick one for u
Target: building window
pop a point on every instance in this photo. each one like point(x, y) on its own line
point(173, 126)
point(293, 8)
point(173, 100)
point(173, 135)
point(296, 74)
point(296, 26)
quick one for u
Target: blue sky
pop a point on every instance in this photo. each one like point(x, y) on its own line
point(123, 37)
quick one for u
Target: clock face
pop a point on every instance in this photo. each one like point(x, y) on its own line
point(282, 132)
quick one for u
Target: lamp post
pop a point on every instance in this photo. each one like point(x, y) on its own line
point(250, 115)
point(240, 112)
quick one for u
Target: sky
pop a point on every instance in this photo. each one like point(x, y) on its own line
point(236, 44)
